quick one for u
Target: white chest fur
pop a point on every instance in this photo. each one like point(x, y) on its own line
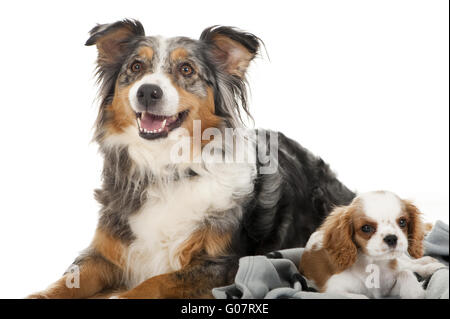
point(173, 212)
point(377, 277)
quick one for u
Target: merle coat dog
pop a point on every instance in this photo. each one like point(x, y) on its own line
point(173, 224)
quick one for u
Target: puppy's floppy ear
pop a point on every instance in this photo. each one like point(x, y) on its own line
point(112, 39)
point(338, 237)
point(416, 230)
point(232, 50)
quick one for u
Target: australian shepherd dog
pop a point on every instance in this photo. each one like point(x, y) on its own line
point(187, 189)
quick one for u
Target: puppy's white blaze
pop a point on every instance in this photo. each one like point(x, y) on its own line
point(381, 205)
point(384, 208)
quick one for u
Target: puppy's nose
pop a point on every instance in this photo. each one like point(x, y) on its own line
point(149, 94)
point(391, 240)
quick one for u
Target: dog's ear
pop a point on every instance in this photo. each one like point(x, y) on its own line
point(231, 49)
point(338, 237)
point(416, 230)
point(112, 39)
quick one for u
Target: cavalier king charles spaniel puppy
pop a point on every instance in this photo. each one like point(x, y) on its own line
point(371, 248)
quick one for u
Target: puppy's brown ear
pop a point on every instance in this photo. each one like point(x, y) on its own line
point(232, 50)
point(338, 237)
point(416, 230)
point(113, 39)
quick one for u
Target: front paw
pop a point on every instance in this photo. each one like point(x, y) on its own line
point(430, 269)
point(355, 296)
point(139, 294)
point(38, 295)
point(407, 286)
point(414, 292)
point(426, 260)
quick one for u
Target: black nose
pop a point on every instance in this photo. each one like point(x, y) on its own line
point(149, 94)
point(391, 240)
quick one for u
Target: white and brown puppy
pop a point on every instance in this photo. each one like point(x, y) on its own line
point(362, 249)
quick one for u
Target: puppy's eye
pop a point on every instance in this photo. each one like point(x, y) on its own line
point(186, 70)
point(402, 222)
point(367, 228)
point(136, 67)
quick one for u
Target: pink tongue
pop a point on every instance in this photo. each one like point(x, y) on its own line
point(151, 122)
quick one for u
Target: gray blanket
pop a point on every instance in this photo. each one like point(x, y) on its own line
point(276, 275)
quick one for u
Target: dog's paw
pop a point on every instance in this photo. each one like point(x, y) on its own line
point(408, 287)
point(429, 269)
point(37, 296)
point(355, 296)
point(426, 260)
point(117, 297)
point(412, 292)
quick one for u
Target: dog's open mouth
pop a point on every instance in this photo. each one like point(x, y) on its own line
point(153, 126)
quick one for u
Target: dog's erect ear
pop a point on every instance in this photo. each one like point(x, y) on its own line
point(338, 237)
point(416, 230)
point(232, 50)
point(112, 39)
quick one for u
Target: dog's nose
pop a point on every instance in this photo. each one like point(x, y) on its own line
point(149, 94)
point(391, 240)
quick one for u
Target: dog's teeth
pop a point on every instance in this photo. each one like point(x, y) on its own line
point(163, 124)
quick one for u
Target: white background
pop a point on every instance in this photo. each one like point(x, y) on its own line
point(364, 84)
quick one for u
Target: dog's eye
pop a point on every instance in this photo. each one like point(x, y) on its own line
point(136, 67)
point(186, 70)
point(367, 228)
point(402, 222)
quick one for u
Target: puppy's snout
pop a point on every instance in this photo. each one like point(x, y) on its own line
point(391, 240)
point(149, 94)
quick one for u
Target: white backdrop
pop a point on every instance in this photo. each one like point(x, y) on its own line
point(364, 84)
